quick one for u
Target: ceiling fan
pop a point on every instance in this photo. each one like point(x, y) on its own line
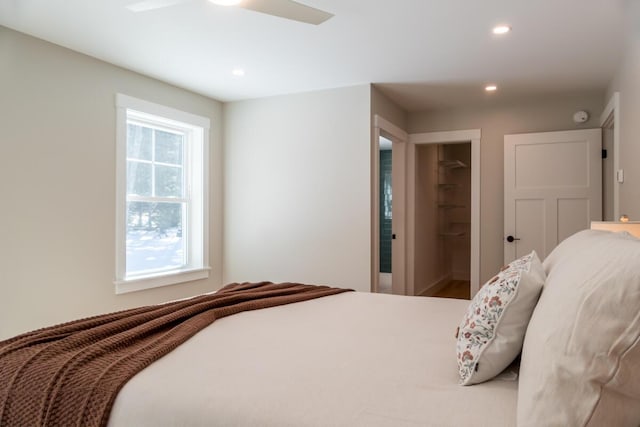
point(288, 9)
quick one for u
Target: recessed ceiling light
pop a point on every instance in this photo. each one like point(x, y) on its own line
point(491, 88)
point(501, 29)
point(238, 72)
point(226, 2)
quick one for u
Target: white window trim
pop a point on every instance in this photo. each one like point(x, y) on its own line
point(125, 285)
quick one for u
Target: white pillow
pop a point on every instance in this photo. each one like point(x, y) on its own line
point(491, 333)
point(581, 358)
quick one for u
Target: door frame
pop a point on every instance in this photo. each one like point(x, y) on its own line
point(383, 127)
point(473, 136)
point(611, 116)
point(405, 225)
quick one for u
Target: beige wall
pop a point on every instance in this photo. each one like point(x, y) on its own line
point(537, 115)
point(386, 108)
point(430, 264)
point(57, 183)
point(297, 182)
point(297, 188)
point(627, 82)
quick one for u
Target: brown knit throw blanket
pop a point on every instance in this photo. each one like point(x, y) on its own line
point(70, 374)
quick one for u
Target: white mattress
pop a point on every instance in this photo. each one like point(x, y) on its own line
point(353, 359)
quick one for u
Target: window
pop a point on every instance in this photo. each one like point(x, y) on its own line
point(161, 219)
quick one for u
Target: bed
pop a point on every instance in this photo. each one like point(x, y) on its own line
point(359, 359)
point(353, 359)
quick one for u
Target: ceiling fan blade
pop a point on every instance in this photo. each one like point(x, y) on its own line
point(288, 9)
point(143, 6)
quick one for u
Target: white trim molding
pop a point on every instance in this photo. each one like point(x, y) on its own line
point(445, 137)
point(166, 279)
point(611, 108)
point(383, 127)
point(390, 129)
point(474, 136)
point(195, 197)
point(129, 102)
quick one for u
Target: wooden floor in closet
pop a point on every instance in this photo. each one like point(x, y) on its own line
point(459, 289)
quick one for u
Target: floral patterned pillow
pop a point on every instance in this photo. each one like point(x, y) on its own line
point(491, 334)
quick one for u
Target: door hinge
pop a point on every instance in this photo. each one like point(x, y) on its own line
point(604, 154)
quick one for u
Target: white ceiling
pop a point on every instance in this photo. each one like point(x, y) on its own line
point(422, 53)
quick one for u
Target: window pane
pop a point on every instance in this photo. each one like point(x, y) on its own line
point(138, 142)
point(168, 181)
point(168, 147)
point(154, 237)
point(138, 178)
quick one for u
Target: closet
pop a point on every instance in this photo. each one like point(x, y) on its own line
point(442, 218)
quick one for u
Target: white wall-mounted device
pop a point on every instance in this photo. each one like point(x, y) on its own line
point(580, 116)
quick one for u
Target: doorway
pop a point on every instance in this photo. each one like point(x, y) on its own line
point(385, 214)
point(450, 148)
point(442, 220)
point(612, 175)
point(388, 243)
point(403, 202)
point(607, 172)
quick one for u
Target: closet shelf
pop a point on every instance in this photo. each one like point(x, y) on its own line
point(452, 234)
point(452, 164)
point(448, 186)
point(449, 206)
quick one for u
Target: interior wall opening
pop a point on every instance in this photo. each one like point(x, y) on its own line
point(442, 264)
point(385, 153)
point(608, 171)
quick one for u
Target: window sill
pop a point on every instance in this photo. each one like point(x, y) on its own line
point(159, 280)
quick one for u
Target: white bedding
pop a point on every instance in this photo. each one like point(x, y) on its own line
point(353, 359)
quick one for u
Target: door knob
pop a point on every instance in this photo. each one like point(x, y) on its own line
point(511, 239)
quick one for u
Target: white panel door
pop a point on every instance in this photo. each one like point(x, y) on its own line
point(552, 188)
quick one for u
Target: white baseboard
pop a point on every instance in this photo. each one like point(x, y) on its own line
point(461, 275)
point(434, 287)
